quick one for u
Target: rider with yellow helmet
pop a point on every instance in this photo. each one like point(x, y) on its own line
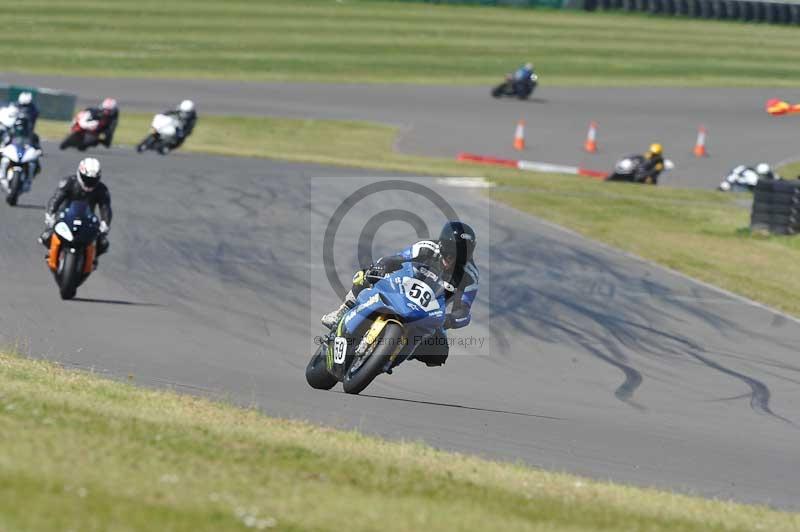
point(653, 164)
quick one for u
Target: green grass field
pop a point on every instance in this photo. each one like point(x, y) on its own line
point(83, 453)
point(790, 171)
point(701, 233)
point(364, 41)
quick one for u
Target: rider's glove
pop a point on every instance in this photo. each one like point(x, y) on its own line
point(104, 228)
point(449, 321)
point(375, 272)
point(49, 220)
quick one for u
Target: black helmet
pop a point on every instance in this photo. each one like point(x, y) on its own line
point(457, 243)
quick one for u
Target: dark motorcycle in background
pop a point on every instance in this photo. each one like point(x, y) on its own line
point(521, 89)
point(632, 169)
point(73, 247)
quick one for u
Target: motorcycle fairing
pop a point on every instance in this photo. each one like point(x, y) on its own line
point(387, 301)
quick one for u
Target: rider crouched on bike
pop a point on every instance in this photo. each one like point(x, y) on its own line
point(85, 186)
point(27, 109)
point(653, 164)
point(452, 253)
point(20, 129)
point(522, 77)
point(187, 116)
point(107, 117)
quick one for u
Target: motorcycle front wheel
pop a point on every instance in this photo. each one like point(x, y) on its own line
point(14, 189)
point(73, 139)
point(71, 272)
point(146, 144)
point(362, 372)
point(317, 375)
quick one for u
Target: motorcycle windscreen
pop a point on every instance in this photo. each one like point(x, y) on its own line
point(82, 222)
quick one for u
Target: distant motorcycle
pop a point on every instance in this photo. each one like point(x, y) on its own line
point(744, 179)
point(73, 247)
point(19, 161)
point(632, 170)
point(521, 89)
point(382, 330)
point(163, 135)
point(8, 115)
point(83, 132)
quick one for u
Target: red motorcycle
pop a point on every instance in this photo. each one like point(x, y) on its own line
point(84, 132)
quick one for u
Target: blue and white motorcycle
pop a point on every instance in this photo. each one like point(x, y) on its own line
point(19, 161)
point(388, 323)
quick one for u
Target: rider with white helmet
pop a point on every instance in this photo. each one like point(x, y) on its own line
point(747, 177)
point(27, 109)
point(764, 171)
point(187, 116)
point(83, 185)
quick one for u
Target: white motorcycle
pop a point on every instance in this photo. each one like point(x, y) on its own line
point(19, 162)
point(8, 115)
point(163, 135)
point(745, 178)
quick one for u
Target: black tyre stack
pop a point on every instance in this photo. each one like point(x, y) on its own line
point(776, 207)
point(770, 11)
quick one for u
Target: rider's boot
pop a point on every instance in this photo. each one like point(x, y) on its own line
point(44, 238)
point(331, 319)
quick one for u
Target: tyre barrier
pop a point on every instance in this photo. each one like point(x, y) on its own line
point(772, 12)
point(53, 104)
point(776, 207)
point(794, 13)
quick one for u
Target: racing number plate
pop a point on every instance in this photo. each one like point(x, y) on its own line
point(339, 350)
point(420, 294)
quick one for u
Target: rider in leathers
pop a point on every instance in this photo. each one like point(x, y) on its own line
point(653, 164)
point(21, 129)
point(27, 109)
point(107, 117)
point(453, 254)
point(85, 186)
point(187, 116)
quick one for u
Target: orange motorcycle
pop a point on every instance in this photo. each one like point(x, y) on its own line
point(73, 247)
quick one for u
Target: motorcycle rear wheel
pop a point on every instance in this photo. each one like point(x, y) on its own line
point(146, 144)
point(390, 338)
point(317, 375)
point(71, 140)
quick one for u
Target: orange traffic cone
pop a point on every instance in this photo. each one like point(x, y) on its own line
point(700, 145)
point(519, 136)
point(591, 138)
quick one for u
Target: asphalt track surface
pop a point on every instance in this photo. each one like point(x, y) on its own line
point(593, 362)
point(443, 121)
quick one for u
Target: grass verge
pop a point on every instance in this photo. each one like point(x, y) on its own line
point(367, 41)
point(92, 454)
point(701, 233)
point(790, 170)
